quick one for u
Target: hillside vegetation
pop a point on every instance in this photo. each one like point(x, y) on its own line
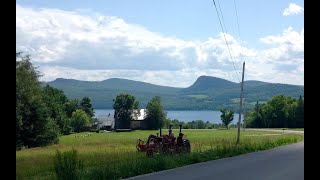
point(207, 93)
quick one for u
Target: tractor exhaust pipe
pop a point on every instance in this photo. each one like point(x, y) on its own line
point(170, 127)
point(180, 128)
point(160, 132)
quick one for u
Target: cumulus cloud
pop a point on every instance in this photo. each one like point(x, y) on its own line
point(293, 9)
point(90, 46)
point(289, 46)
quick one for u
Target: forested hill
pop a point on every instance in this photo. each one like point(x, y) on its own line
point(206, 93)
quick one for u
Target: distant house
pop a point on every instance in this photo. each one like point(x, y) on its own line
point(138, 121)
point(105, 122)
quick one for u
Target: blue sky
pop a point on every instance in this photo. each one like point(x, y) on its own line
point(163, 42)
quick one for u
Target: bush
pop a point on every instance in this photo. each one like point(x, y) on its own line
point(98, 130)
point(50, 135)
point(67, 165)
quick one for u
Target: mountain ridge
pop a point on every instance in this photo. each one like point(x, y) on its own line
point(206, 93)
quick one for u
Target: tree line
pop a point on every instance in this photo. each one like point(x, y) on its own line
point(43, 113)
point(279, 112)
point(195, 124)
point(127, 107)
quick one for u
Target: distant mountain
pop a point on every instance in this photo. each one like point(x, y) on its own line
point(113, 84)
point(206, 93)
point(254, 83)
point(204, 83)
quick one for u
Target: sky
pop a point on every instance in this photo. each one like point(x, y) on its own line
point(166, 42)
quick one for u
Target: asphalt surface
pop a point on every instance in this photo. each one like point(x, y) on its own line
point(281, 163)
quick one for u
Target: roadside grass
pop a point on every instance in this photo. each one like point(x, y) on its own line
point(113, 155)
point(293, 129)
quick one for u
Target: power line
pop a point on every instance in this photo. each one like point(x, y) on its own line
point(235, 6)
point(226, 31)
point(238, 26)
point(224, 25)
point(226, 40)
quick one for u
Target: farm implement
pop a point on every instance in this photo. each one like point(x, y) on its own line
point(166, 144)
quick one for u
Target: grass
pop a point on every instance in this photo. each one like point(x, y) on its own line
point(294, 129)
point(255, 102)
point(198, 96)
point(113, 155)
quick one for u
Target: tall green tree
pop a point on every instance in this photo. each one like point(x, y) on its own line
point(86, 106)
point(55, 100)
point(32, 119)
point(166, 123)
point(279, 112)
point(226, 117)
point(71, 105)
point(300, 113)
point(123, 105)
point(79, 120)
point(258, 116)
point(155, 114)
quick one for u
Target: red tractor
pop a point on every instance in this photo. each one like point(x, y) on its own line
point(164, 144)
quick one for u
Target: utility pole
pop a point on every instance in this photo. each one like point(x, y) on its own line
point(244, 116)
point(240, 111)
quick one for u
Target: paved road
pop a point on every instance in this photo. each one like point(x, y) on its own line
point(281, 163)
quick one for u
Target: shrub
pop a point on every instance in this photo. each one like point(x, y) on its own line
point(67, 165)
point(50, 135)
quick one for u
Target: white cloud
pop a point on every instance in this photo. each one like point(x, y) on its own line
point(293, 9)
point(89, 46)
point(289, 47)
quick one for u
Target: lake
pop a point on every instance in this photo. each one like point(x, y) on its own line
point(186, 116)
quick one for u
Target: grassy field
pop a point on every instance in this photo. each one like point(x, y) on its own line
point(113, 155)
point(294, 129)
point(198, 96)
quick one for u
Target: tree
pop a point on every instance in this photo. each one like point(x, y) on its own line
point(299, 116)
point(123, 106)
point(86, 106)
point(276, 111)
point(155, 114)
point(71, 105)
point(79, 120)
point(51, 133)
point(208, 125)
point(279, 112)
point(200, 124)
point(291, 112)
point(257, 117)
point(226, 117)
point(166, 123)
point(32, 119)
point(55, 100)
